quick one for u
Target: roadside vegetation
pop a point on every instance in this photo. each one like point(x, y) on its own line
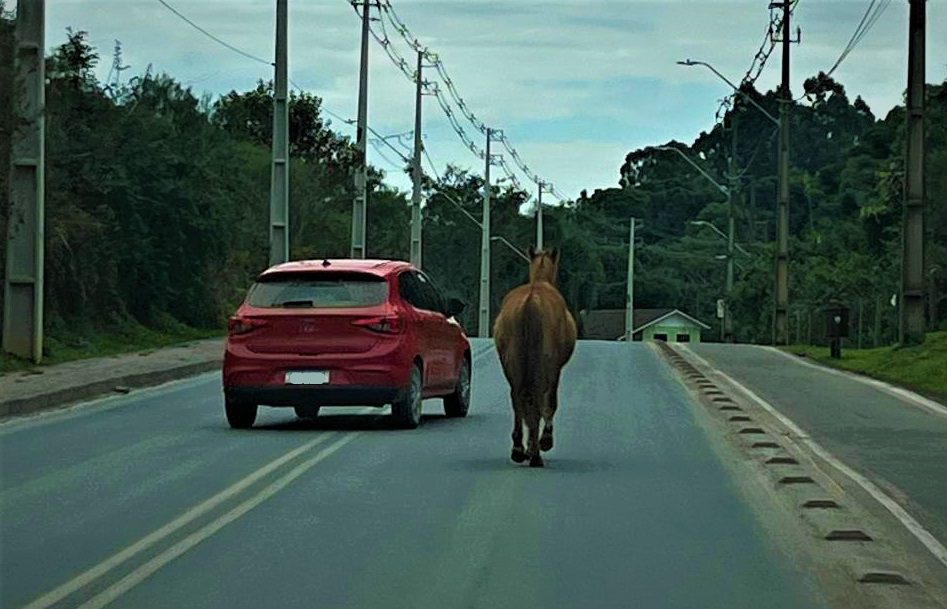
point(70, 344)
point(922, 368)
point(157, 210)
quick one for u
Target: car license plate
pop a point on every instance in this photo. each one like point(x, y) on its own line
point(307, 377)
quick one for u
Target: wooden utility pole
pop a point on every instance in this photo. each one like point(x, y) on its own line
point(911, 324)
point(23, 283)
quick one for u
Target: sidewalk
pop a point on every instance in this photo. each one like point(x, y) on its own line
point(55, 386)
point(896, 440)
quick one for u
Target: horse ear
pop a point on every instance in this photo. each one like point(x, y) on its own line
point(532, 252)
point(555, 254)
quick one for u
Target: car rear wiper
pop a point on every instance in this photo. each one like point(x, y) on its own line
point(296, 303)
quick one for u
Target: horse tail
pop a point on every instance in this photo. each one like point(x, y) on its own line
point(531, 355)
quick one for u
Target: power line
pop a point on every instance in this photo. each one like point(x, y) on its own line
point(376, 144)
point(869, 19)
point(759, 59)
point(212, 37)
point(389, 14)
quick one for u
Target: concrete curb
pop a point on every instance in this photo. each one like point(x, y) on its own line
point(62, 398)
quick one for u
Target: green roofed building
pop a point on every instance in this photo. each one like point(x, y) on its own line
point(669, 325)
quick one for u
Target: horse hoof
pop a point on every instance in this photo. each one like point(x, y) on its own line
point(545, 443)
point(518, 455)
point(536, 461)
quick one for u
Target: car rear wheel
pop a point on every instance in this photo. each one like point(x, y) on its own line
point(240, 415)
point(307, 412)
point(406, 410)
point(458, 403)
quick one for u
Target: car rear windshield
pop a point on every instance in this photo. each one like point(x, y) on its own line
point(318, 290)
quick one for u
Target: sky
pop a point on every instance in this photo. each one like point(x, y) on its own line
point(574, 84)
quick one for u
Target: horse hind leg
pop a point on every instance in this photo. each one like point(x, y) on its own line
point(533, 419)
point(518, 454)
point(550, 405)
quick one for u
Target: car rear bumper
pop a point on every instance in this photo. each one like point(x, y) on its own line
point(314, 395)
point(373, 378)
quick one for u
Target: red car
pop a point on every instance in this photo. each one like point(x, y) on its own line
point(342, 333)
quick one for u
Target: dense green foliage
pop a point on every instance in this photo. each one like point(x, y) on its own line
point(157, 207)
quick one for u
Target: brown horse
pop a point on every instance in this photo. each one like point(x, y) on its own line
point(535, 337)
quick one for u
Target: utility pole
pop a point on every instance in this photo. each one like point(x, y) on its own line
point(544, 188)
point(23, 286)
point(731, 194)
point(781, 321)
point(539, 217)
point(483, 326)
point(279, 177)
point(416, 169)
point(630, 295)
point(361, 142)
point(912, 325)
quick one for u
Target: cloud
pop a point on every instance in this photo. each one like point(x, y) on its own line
point(575, 84)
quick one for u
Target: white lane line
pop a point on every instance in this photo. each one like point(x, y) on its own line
point(913, 526)
point(901, 393)
point(147, 569)
point(85, 578)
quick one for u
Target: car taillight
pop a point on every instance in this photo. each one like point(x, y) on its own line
point(384, 325)
point(243, 325)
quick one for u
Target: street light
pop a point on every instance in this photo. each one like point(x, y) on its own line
point(691, 62)
point(720, 187)
point(515, 249)
point(781, 291)
point(719, 232)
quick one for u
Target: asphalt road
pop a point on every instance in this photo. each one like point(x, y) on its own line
point(901, 447)
point(150, 500)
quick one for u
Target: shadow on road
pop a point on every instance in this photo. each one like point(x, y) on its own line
point(502, 462)
point(356, 422)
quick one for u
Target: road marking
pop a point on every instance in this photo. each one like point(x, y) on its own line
point(147, 569)
point(913, 526)
point(83, 579)
point(899, 392)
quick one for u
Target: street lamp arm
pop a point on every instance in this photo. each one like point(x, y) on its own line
point(690, 62)
point(457, 204)
point(722, 234)
point(720, 187)
point(512, 247)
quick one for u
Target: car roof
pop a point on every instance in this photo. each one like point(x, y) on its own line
point(380, 268)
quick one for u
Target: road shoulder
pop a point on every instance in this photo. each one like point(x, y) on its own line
point(62, 385)
point(813, 511)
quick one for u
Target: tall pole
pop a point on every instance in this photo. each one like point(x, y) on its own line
point(361, 141)
point(416, 170)
point(911, 324)
point(539, 217)
point(23, 286)
point(483, 326)
point(732, 186)
point(630, 287)
point(279, 178)
point(782, 230)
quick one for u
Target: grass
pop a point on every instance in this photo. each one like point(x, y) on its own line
point(70, 344)
point(922, 368)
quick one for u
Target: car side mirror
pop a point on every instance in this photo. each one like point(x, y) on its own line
point(454, 307)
